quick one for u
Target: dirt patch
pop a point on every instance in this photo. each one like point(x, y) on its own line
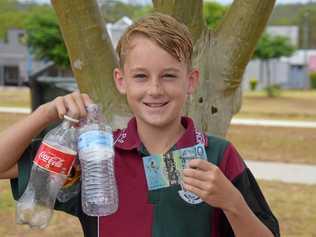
point(15, 97)
point(61, 225)
point(294, 145)
point(290, 105)
point(7, 119)
point(294, 207)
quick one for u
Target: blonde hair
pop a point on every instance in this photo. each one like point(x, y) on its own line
point(167, 32)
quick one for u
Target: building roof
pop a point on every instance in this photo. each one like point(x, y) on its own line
point(300, 57)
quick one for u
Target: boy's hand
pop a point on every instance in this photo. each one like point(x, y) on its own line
point(209, 183)
point(72, 104)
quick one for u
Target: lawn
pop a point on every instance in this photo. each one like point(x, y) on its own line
point(62, 225)
point(294, 206)
point(292, 105)
point(7, 119)
point(294, 145)
point(15, 97)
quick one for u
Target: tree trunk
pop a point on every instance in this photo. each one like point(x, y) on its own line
point(269, 82)
point(221, 54)
point(91, 53)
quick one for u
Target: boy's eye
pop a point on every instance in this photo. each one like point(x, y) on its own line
point(169, 76)
point(140, 76)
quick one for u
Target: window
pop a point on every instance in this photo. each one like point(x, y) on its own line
point(11, 75)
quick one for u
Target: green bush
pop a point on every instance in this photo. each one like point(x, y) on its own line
point(253, 84)
point(273, 91)
point(312, 78)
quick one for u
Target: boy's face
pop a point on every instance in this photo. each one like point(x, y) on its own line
point(155, 83)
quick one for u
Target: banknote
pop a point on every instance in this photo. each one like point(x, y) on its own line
point(184, 155)
point(165, 170)
point(155, 172)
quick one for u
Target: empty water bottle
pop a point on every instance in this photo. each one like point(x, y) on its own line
point(96, 154)
point(51, 166)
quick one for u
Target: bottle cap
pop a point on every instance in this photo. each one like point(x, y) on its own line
point(71, 119)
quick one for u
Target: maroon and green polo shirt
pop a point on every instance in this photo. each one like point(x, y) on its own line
point(160, 213)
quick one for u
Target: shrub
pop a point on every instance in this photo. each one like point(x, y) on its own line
point(312, 78)
point(273, 91)
point(253, 84)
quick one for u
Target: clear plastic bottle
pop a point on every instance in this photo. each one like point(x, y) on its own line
point(99, 195)
point(51, 166)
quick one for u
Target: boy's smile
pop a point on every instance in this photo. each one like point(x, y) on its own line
point(156, 84)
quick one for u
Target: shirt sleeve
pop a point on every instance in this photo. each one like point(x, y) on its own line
point(19, 184)
point(237, 172)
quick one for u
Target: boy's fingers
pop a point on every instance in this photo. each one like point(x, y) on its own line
point(86, 99)
point(80, 103)
point(196, 174)
point(202, 194)
point(60, 107)
point(73, 109)
point(201, 165)
point(193, 182)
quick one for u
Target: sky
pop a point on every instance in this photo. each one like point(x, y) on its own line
point(220, 1)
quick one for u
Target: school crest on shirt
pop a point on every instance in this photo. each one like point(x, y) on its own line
point(189, 197)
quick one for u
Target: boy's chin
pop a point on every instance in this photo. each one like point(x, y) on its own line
point(158, 122)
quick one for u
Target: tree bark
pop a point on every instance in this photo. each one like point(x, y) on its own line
point(221, 54)
point(91, 53)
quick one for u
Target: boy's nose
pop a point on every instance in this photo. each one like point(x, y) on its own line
point(155, 88)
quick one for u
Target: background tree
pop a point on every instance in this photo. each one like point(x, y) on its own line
point(14, 14)
point(213, 13)
point(221, 54)
point(114, 10)
point(268, 48)
point(302, 15)
point(45, 39)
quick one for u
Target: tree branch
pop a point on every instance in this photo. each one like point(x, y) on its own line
point(189, 12)
point(90, 50)
point(237, 36)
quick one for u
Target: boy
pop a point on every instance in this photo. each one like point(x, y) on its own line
point(156, 76)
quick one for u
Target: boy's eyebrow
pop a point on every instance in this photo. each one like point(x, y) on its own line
point(165, 69)
point(138, 69)
point(172, 69)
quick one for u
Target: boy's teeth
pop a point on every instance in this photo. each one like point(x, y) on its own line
point(155, 105)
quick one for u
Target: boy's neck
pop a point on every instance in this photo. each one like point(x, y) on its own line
point(159, 140)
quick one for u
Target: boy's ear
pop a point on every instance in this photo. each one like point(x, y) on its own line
point(194, 77)
point(119, 80)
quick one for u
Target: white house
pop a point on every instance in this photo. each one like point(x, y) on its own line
point(287, 72)
point(116, 29)
point(16, 63)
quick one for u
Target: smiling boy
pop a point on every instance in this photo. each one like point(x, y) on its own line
point(156, 76)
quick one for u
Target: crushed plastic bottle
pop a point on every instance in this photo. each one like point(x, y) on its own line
point(51, 166)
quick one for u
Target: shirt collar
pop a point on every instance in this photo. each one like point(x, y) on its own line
point(128, 139)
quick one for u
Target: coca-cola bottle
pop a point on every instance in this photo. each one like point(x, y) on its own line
point(51, 166)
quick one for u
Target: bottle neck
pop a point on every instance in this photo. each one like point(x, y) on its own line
point(66, 124)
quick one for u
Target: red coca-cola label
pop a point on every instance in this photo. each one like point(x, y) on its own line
point(53, 160)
